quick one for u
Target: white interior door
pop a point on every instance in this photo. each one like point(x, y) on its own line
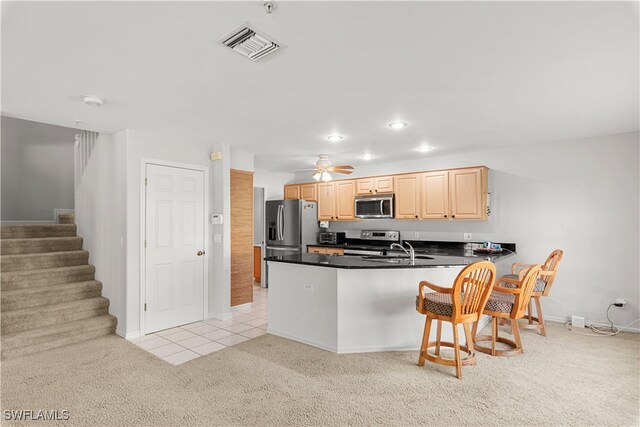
point(174, 234)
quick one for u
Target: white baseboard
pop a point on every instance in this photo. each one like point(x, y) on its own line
point(132, 335)
point(220, 316)
point(26, 222)
point(564, 320)
point(307, 342)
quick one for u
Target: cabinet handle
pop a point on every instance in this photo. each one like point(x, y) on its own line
point(445, 216)
point(453, 216)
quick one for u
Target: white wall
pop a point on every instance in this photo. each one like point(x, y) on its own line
point(581, 196)
point(37, 170)
point(272, 182)
point(100, 215)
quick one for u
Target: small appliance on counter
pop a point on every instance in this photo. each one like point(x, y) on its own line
point(332, 237)
point(489, 248)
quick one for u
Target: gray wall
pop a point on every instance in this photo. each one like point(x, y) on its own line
point(37, 170)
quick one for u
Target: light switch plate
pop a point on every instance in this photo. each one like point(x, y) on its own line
point(466, 236)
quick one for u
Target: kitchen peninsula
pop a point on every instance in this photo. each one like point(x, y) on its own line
point(350, 304)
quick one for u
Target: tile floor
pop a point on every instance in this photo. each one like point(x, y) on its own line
point(188, 342)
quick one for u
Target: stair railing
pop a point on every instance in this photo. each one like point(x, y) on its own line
point(83, 147)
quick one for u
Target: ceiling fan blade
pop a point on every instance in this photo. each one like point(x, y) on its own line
point(342, 167)
point(344, 171)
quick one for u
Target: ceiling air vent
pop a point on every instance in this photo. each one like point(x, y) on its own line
point(250, 43)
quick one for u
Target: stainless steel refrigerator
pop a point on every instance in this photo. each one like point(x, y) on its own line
point(290, 225)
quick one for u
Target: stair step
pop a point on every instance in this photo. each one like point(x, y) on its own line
point(27, 231)
point(49, 337)
point(35, 297)
point(45, 260)
point(38, 317)
point(46, 277)
point(40, 245)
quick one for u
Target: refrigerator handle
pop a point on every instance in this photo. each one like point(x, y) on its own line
point(280, 209)
point(282, 228)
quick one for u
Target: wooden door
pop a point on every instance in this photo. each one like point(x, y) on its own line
point(384, 184)
point(434, 195)
point(291, 192)
point(309, 192)
point(365, 186)
point(241, 237)
point(407, 196)
point(345, 200)
point(326, 201)
point(174, 247)
point(468, 192)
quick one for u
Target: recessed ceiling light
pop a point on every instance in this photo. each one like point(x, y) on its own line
point(367, 156)
point(398, 125)
point(335, 138)
point(92, 100)
point(76, 121)
point(424, 148)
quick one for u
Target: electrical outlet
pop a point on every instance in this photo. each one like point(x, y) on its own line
point(308, 287)
point(466, 236)
point(620, 302)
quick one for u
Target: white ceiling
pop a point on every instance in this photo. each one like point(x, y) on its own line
point(465, 75)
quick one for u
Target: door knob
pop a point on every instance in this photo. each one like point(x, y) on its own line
point(200, 253)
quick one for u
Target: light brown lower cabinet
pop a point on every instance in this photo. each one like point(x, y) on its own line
point(241, 237)
point(325, 250)
point(257, 263)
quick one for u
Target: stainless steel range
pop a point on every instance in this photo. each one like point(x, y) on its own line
point(371, 242)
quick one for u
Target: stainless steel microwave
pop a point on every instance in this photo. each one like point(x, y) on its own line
point(374, 206)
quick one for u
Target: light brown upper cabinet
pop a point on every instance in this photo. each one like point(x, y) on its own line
point(301, 191)
point(326, 196)
point(468, 190)
point(380, 184)
point(291, 191)
point(407, 196)
point(309, 192)
point(454, 194)
point(434, 195)
point(345, 200)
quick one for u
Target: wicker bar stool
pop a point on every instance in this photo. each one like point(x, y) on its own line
point(462, 303)
point(508, 300)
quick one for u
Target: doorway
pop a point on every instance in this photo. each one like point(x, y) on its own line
point(174, 261)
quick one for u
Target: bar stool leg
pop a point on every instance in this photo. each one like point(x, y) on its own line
point(425, 341)
point(439, 334)
point(456, 349)
point(494, 334)
point(543, 331)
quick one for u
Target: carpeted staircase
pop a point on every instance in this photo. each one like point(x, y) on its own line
point(49, 296)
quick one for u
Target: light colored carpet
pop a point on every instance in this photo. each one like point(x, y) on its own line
point(564, 379)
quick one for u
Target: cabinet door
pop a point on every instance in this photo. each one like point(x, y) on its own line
point(384, 184)
point(407, 196)
point(316, 250)
point(291, 192)
point(325, 202)
point(468, 193)
point(365, 186)
point(334, 251)
point(309, 192)
point(345, 200)
point(434, 195)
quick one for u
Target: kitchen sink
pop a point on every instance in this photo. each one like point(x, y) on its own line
point(392, 258)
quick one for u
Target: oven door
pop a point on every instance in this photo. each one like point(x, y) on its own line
point(374, 207)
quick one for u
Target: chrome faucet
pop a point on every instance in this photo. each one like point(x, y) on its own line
point(410, 253)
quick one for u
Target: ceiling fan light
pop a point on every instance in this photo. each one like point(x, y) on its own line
point(316, 176)
point(325, 177)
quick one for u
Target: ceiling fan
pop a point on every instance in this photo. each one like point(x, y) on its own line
point(323, 167)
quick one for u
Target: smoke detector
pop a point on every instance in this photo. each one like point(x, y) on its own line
point(249, 42)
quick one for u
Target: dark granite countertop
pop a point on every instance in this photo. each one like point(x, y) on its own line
point(360, 262)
